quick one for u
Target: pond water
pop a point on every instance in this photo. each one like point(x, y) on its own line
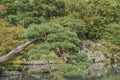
point(109, 76)
point(98, 71)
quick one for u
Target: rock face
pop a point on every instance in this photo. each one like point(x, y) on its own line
point(95, 52)
point(101, 57)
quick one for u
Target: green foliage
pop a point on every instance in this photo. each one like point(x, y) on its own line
point(89, 18)
point(10, 37)
point(68, 70)
point(95, 13)
point(53, 37)
point(26, 12)
point(59, 40)
point(112, 76)
point(113, 33)
point(59, 24)
point(75, 24)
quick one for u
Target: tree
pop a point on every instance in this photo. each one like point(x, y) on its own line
point(97, 14)
point(12, 53)
point(54, 38)
point(113, 33)
point(74, 24)
point(59, 40)
point(10, 37)
point(26, 12)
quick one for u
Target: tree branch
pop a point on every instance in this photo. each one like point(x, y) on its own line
point(16, 51)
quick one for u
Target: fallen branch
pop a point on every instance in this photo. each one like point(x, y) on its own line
point(16, 51)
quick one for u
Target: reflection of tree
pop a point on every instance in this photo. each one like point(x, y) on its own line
point(20, 77)
point(114, 63)
point(28, 77)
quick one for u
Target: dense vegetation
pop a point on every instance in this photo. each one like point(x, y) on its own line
point(60, 26)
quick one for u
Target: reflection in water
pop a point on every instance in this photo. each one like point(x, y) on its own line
point(97, 71)
point(27, 77)
point(108, 76)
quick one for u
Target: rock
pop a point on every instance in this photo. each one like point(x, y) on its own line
point(96, 52)
point(101, 57)
point(97, 69)
point(5, 74)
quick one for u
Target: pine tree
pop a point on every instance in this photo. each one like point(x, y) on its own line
point(57, 42)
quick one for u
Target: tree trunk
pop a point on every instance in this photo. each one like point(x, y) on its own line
point(16, 51)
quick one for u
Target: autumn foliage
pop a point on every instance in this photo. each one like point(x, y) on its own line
point(10, 37)
point(1, 7)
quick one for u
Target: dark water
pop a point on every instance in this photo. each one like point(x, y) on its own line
point(108, 76)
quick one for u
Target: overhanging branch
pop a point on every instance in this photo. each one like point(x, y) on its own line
point(16, 51)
